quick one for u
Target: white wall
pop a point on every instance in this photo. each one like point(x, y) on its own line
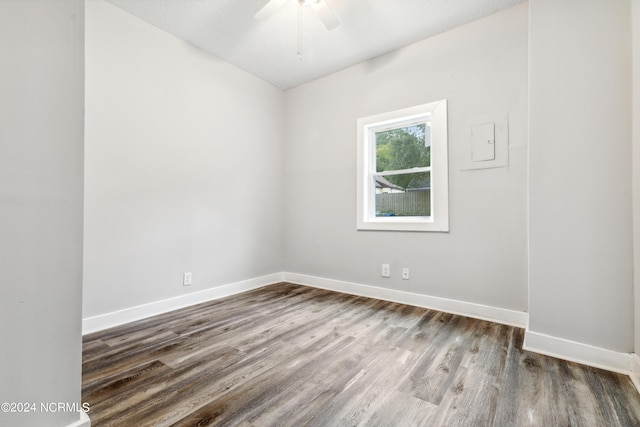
point(164, 194)
point(580, 172)
point(41, 137)
point(481, 68)
point(183, 167)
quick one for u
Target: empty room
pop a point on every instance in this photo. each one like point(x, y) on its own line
point(319, 212)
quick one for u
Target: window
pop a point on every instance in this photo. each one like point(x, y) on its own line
point(403, 170)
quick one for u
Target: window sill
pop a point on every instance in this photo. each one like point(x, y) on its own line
point(403, 224)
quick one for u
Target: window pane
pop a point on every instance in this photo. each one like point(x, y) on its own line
point(403, 148)
point(403, 195)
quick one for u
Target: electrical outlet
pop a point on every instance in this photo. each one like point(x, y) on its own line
point(386, 270)
point(186, 279)
point(405, 273)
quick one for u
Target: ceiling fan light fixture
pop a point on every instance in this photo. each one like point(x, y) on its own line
point(321, 8)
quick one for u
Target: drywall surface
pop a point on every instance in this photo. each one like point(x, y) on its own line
point(580, 172)
point(635, 22)
point(481, 69)
point(41, 132)
point(183, 167)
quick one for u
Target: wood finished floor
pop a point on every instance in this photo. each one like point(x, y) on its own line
point(289, 355)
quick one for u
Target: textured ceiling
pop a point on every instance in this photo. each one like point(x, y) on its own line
point(268, 48)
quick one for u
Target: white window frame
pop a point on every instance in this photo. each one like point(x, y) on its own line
point(438, 221)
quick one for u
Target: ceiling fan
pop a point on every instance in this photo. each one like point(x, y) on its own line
point(322, 9)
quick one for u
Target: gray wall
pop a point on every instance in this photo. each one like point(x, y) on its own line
point(183, 167)
point(41, 155)
point(159, 165)
point(580, 172)
point(636, 164)
point(481, 68)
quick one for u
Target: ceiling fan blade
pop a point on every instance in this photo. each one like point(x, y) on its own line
point(269, 9)
point(326, 15)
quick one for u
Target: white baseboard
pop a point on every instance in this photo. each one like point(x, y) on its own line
point(635, 370)
point(109, 320)
point(578, 352)
point(84, 421)
point(624, 363)
point(477, 311)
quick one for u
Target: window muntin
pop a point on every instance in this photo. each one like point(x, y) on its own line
point(402, 170)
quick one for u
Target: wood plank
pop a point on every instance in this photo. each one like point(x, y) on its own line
point(470, 401)
point(290, 355)
point(435, 371)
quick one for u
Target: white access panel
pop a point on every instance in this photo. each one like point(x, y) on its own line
point(487, 142)
point(483, 142)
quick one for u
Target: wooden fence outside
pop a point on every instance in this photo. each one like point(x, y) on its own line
point(412, 203)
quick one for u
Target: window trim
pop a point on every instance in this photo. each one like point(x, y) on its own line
point(438, 221)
